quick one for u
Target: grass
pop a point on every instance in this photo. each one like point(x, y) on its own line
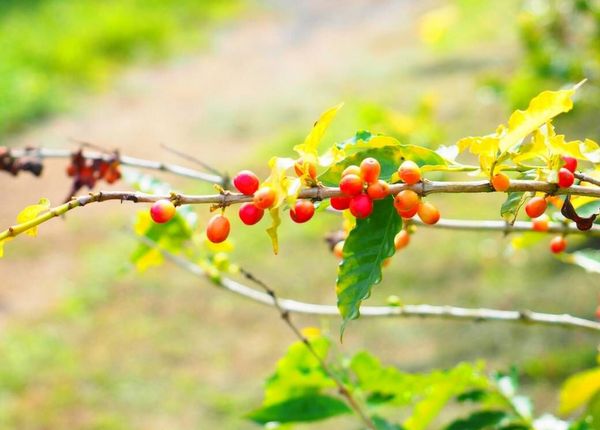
point(53, 50)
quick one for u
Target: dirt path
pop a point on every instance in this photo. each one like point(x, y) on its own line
point(284, 64)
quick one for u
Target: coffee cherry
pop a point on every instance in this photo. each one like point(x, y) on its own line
point(302, 211)
point(250, 214)
point(301, 166)
point(428, 213)
point(246, 182)
point(565, 178)
point(536, 207)
point(162, 211)
point(558, 244)
point(71, 170)
point(338, 249)
point(409, 172)
point(406, 200)
point(351, 170)
point(540, 223)
point(369, 170)
point(264, 198)
point(217, 229)
point(351, 184)
point(340, 203)
point(570, 163)
point(378, 190)
point(409, 213)
point(386, 262)
point(361, 206)
point(500, 182)
point(401, 240)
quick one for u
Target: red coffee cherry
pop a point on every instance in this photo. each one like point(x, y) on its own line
point(340, 203)
point(361, 206)
point(162, 211)
point(264, 198)
point(570, 163)
point(558, 244)
point(500, 182)
point(302, 211)
point(540, 223)
point(409, 213)
point(351, 185)
point(378, 190)
point(565, 178)
point(536, 207)
point(301, 166)
point(428, 213)
point(246, 182)
point(369, 170)
point(250, 214)
point(409, 172)
point(406, 200)
point(401, 240)
point(217, 229)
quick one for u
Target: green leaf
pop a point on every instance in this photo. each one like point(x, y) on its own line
point(512, 204)
point(592, 412)
point(299, 373)
point(382, 424)
point(479, 420)
point(588, 209)
point(300, 409)
point(366, 247)
point(389, 156)
point(384, 384)
point(440, 388)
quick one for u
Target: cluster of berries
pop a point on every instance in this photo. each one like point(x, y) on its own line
point(87, 171)
point(13, 165)
point(250, 213)
point(360, 185)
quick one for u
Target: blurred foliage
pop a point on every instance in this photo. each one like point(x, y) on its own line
point(490, 401)
point(561, 44)
point(51, 49)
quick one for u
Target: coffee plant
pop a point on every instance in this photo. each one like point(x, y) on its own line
point(382, 190)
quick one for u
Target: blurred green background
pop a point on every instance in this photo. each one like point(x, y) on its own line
point(88, 343)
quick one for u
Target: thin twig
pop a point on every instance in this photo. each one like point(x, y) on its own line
point(404, 311)
point(285, 315)
point(587, 178)
point(316, 193)
point(504, 227)
point(193, 159)
point(124, 160)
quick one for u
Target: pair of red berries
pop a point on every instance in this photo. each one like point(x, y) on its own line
point(566, 174)
point(217, 229)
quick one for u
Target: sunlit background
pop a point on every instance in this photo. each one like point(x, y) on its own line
point(89, 342)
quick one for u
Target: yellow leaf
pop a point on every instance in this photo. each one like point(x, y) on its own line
point(536, 148)
point(434, 25)
point(311, 333)
point(309, 149)
point(151, 258)
point(590, 150)
point(31, 212)
point(578, 390)
point(272, 231)
point(143, 222)
point(541, 109)
point(286, 187)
